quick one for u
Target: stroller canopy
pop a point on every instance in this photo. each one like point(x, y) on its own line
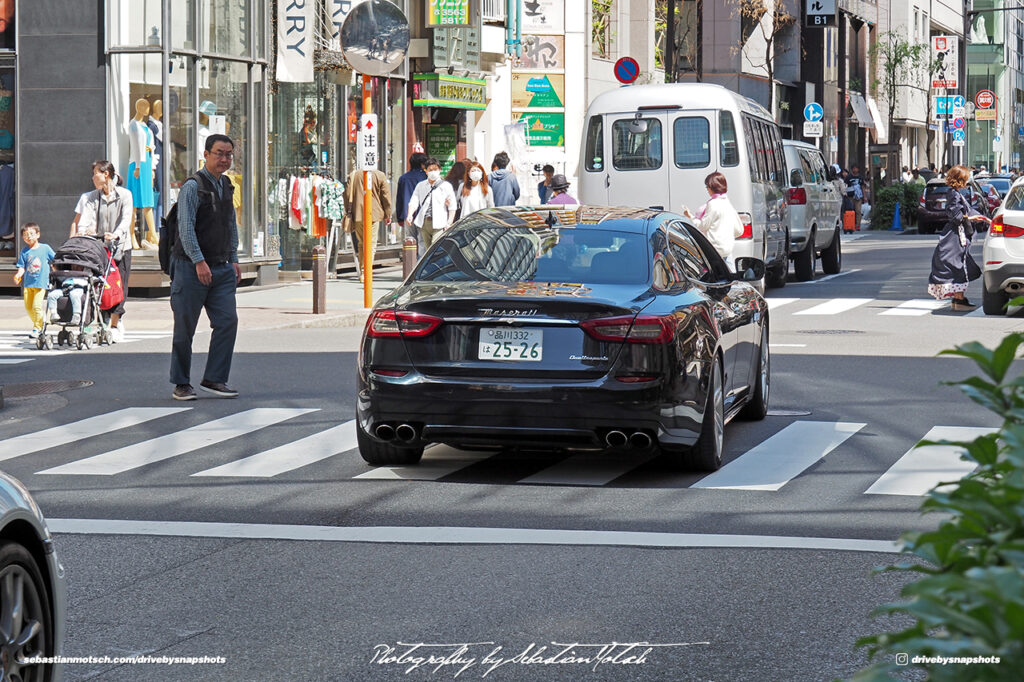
point(87, 253)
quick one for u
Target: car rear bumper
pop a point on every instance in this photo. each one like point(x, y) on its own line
point(999, 277)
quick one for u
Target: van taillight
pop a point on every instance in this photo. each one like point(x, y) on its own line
point(1005, 229)
point(748, 231)
point(796, 196)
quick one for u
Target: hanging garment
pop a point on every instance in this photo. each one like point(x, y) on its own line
point(141, 145)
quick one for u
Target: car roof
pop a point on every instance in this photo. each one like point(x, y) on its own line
point(799, 145)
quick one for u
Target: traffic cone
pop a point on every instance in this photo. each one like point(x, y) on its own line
point(897, 226)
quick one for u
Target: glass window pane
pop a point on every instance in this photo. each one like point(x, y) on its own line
point(9, 237)
point(227, 27)
point(727, 132)
point(636, 144)
point(183, 24)
point(691, 141)
point(180, 136)
point(135, 22)
point(748, 133)
point(7, 25)
point(595, 144)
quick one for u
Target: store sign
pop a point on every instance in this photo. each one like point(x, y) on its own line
point(458, 48)
point(543, 129)
point(336, 10)
point(543, 52)
point(986, 115)
point(946, 58)
point(543, 16)
point(442, 144)
point(295, 40)
point(452, 92)
point(447, 13)
point(537, 90)
point(821, 13)
point(366, 144)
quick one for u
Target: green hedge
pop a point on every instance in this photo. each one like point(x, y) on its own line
point(884, 207)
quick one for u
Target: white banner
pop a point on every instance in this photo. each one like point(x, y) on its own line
point(296, 24)
point(946, 56)
point(337, 10)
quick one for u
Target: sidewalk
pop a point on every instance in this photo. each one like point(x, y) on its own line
point(272, 307)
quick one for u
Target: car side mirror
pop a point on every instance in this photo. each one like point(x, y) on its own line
point(749, 269)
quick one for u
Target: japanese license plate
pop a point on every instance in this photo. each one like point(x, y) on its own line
point(503, 343)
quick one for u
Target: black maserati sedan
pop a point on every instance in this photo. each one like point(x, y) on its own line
point(565, 328)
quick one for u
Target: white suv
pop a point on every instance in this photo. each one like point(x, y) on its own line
point(1003, 254)
point(815, 220)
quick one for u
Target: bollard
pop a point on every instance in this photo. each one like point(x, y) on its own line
point(408, 255)
point(319, 280)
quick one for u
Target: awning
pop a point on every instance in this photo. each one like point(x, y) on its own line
point(881, 134)
point(860, 111)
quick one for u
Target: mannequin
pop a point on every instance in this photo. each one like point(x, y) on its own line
point(140, 170)
point(157, 127)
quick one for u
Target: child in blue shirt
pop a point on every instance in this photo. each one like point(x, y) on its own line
point(34, 268)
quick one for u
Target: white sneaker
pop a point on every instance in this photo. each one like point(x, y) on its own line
point(116, 335)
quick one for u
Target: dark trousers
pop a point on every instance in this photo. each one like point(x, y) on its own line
point(189, 297)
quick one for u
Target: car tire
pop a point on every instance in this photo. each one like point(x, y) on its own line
point(378, 453)
point(777, 276)
point(832, 257)
point(706, 453)
point(993, 302)
point(804, 261)
point(757, 408)
point(25, 599)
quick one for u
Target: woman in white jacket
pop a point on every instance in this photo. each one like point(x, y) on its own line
point(474, 192)
point(717, 219)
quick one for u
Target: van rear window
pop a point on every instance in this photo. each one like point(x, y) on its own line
point(691, 142)
point(636, 144)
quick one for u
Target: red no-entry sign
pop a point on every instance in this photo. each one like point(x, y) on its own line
point(985, 99)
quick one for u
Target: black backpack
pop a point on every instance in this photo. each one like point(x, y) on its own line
point(169, 233)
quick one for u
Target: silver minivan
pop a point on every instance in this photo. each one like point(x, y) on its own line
point(815, 212)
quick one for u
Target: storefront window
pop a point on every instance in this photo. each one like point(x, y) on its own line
point(183, 24)
point(7, 24)
point(8, 220)
point(135, 24)
point(227, 22)
point(180, 131)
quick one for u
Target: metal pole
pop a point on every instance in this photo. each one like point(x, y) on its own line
point(319, 280)
point(670, 42)
point(367, 209)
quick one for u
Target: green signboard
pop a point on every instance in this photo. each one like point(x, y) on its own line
point(442, 143)
point(448, 13)
point(543, 129)
point(537, 90)
point(450, 92)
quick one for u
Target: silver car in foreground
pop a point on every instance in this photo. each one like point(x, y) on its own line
point(815, 206)
point(33, 592)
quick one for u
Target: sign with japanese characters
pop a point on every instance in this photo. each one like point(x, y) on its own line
point(543, 129)
point(538, 90)
point(443, 143)
point(821, 13)
point(543, 16)
point(543, 52)
point(946, 57)
point(366, 143)
point(448, 13)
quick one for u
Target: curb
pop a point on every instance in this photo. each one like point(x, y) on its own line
point(351, 319)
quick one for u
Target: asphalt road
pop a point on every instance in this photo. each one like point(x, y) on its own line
point(181, 537)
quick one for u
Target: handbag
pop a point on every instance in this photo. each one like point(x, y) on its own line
point(113, 290)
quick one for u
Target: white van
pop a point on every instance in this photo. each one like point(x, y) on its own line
point(815, 206)
point(653, 145)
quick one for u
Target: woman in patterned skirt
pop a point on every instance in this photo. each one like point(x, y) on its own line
point(953, 268)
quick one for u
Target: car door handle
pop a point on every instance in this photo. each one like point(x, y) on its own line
point(607, 181)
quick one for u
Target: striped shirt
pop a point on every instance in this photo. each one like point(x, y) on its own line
point(188, 204)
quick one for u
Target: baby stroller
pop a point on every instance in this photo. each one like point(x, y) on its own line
point(78, 276)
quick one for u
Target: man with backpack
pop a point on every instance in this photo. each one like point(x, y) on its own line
point(204, 271)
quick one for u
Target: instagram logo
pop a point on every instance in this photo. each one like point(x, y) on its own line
point(901, 659)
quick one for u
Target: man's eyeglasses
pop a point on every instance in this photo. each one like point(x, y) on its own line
point(223, 155)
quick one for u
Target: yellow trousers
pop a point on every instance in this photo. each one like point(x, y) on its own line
point(34, 300)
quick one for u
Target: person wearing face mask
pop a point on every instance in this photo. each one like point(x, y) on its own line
point(474, 192)
point(431, 207)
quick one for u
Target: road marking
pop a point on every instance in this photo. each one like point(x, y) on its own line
point(82, 429)
point(921, 469)
point(442, 460)
point(827, 277)
point(774, 303)
point(178, 443)
point(773, 463)
point(454, 535)
point(14, 361)
point(917, 306)
point(292, 455)
point(835, 306)
point(588, 469)
point(980, 312)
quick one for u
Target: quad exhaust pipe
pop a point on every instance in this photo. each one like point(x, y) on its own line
point(404, 432)
point(640, 440)
point(620, 439)
point(385, 432)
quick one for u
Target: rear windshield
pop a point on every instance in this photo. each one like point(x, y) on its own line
point(495, 253)
point(937, 189)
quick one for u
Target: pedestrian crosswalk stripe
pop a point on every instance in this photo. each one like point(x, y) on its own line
point(587, 469)
point(776, 461)
point(178, 443)
point(13, 361)
point(80, 430)
point(917, 306)
point(774, 303)
point(921, 469)
point(835, 306)
point(439, 461)
point(292, 455)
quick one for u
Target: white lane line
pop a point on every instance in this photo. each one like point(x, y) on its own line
point(173, 444)
point(438, 463)
point(454, 535)
point(917, 306)
point(835, 306)
point(774, 303)
point(773, 463)
point(921, 469)
point(82, 429)
point(587, 469)
point(827, 277)
point(980, 312)
point(292, 455)
point(14, 361)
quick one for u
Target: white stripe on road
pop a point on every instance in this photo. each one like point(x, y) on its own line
point(173, 444)
point(448, 535)
point(917, 306)
point(921, 469)
point(13, 361)
point(774, 303)
point(826, 278)
point(773, 463)
point(588, 469)
point(979, 312)
point(82, 429)
point(835, 306)
point(441, 461)
point(292, 455)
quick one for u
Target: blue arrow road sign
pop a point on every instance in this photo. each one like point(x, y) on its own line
point(959, 135)
point(959, 101)
point(813, 112)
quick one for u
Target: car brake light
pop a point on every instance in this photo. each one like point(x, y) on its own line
point(397, 373)
point(642, 329)
point(389, 323)
point(796, 196)
point(922, 200)
point(999, 227)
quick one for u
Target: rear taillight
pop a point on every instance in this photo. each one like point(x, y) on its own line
point(1004, 229)
point(748, 226)
point(796, 196)
point(642, 329)
point(922, 200)
point(390, 323)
